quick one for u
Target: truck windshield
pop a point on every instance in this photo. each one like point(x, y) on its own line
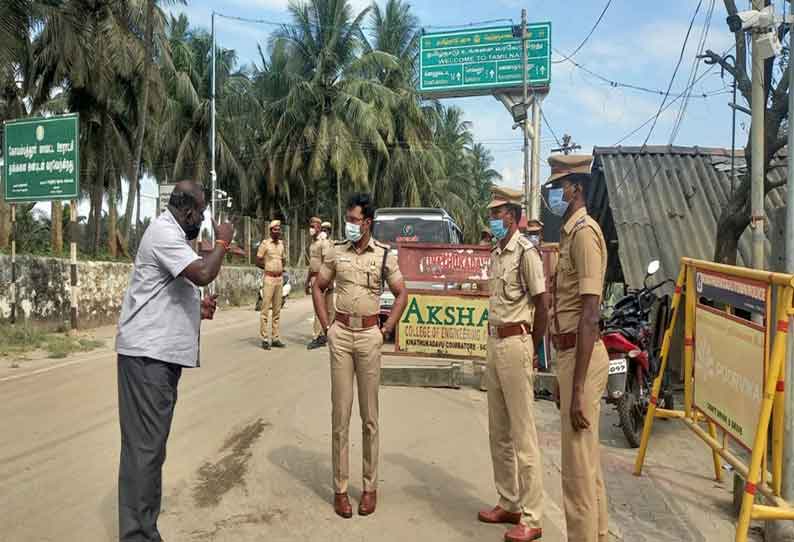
point(411, 229)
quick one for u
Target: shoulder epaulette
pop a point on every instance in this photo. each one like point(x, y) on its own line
point(524, 242)
point(581, 222)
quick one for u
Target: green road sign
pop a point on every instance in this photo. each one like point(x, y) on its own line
point(42, 159)
point(472, 62)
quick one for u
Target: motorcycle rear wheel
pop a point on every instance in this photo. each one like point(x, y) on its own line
point(631, 418)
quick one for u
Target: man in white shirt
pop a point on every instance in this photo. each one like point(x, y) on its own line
point(158, 335)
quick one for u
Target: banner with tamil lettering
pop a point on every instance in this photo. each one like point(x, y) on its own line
point(444, 325)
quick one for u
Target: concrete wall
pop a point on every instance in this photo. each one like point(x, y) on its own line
point(43, 291)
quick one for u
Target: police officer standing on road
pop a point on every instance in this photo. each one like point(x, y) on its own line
point(582, 360)
point(272, 257)
point(486, 238)
point(535, 232)
point(317, 250)
point(517, 323)
point(360, 266)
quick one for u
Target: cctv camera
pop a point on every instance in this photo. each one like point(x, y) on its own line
point(752, 19)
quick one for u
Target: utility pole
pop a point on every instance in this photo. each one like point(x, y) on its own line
point(535, 187)
point(213, 175)
point(568, 145)
point(339, 191)
point(787, 488)
point(528, 199)
point(757, 216)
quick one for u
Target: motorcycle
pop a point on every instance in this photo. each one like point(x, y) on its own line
point(285, 291)
point(634, 355)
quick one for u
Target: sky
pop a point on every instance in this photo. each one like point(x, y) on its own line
point(635, 44)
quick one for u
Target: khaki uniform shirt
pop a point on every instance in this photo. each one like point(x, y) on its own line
point(274, 255)
point(317, 251)
point(510, 293)
point(358, 276)
point(580, 270)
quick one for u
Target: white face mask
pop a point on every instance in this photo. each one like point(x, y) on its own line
point(353, 232)
point(312, 232)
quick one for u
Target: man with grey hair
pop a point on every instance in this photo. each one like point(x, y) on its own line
point(158, 335)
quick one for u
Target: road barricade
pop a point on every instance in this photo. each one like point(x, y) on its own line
point(733, 375)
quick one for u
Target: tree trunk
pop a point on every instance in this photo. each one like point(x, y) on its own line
point(136, 164)
point(112, 213)
point(56, 225)
point(138, 210)
point(733, 221)
point(96, 213)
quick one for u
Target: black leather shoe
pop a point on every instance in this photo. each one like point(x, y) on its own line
point(278, 344)
point(265, 345)
point(316, 343)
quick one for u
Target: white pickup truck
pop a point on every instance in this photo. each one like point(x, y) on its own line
point(412, 224)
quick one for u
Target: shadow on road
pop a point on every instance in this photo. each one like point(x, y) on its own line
point(451, 499)
point(310, 468)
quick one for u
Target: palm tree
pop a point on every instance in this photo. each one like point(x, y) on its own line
point(334, 120)
point(481, 178)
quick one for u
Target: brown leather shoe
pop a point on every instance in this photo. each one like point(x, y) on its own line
point(522, 533)
point(342, 505)
point(369, 500)
point(499, 515)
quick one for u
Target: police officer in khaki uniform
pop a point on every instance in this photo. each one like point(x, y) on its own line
point(271, 257)
point(360, 266)
point(317, 248)
point(535, 232)
point(486, 238)
point(582, 361)
point(516, 325)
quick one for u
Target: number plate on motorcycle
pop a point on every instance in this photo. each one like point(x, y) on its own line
point(617, 366)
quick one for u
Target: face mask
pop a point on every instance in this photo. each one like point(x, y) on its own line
point(352, 232)
point(312, 232)
point(534, 239)
point(498, 228)
point(557, 204)
point(192, 230)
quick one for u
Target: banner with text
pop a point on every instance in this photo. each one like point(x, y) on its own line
point(42, 159)
point(444, 263)
point(444, 325)
point(729, 372)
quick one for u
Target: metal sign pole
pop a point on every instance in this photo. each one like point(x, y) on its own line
point(74, 291)
point(524, 65)
point(13, 263)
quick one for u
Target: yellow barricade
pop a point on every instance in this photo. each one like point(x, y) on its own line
point(733, 375)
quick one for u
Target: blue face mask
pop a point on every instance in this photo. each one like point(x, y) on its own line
point(352, 232)
point(557, 204)
point(498, 228)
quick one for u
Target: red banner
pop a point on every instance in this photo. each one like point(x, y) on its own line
point(444, 263)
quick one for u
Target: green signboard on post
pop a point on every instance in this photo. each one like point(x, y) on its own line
point(42, 159)
point(477, 62)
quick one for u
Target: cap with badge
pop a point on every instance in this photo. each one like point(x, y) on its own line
point(502, 196)
point(275, 224)
point(563, 165)
point(326, 225)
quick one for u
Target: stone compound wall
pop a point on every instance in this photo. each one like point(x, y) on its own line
point(43, 290)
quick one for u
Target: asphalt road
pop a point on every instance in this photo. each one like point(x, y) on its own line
point(249, 455)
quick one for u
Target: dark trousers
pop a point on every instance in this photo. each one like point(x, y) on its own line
point(147, 397)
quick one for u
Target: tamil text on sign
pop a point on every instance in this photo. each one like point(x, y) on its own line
point(472, 62)
point(42, 159)
point(453, 326)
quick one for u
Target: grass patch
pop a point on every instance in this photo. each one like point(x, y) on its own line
point(21, 339)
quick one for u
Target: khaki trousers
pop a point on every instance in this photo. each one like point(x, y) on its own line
point(271, 299)
point(329, 304)
point(517, 463)
point(354, 353)
point(584, 495)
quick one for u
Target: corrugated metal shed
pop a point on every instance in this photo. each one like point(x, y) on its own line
point(663, 202)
